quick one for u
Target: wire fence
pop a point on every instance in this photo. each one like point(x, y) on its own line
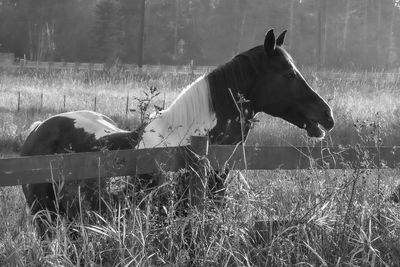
point(77, 66)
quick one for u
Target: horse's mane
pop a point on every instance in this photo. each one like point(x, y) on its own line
point(196, 99)
point(32, 128)
point(196, 109)
point(236, 73)
point(193, 106)
point(285, 54)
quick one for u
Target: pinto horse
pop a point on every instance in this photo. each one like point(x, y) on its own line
point(265, 75)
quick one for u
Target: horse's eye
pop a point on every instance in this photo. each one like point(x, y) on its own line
point(291, 76)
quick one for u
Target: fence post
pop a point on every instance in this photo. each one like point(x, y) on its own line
point(95, 103)
point(191, 65)
point(64, 101)
point(76, 66)
point(41, 101)
point(19, 101)
point(127, 108)
point(90, 72)
point(198, 183)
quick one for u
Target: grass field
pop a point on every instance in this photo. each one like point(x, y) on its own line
point(330, 218)
point(356, 98)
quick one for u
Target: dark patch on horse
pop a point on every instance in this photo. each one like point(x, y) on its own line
point(117, 141)
point(59, 135)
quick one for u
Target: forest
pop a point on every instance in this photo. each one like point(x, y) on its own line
point(355, 34)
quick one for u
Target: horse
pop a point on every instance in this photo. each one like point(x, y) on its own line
point(265, 76)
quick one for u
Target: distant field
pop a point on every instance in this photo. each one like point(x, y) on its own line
point(332, 217)
point(356, 98)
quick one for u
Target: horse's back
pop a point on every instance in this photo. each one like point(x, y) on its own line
point(78, 131)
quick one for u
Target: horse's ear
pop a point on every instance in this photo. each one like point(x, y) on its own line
point(281, 37)
point(269, 42)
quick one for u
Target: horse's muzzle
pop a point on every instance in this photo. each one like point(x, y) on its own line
point(328, 122)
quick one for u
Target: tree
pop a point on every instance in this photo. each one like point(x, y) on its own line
point(108, 32)
point(130, 12)
point(73, 30)
point(292, 10)
point(321, 33)
point(12, 29)
point(340, 33)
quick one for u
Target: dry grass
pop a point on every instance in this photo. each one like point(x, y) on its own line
point(353, 97)
point(310, 217)
point(303, 217)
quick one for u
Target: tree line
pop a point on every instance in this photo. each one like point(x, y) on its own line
point(340, 33)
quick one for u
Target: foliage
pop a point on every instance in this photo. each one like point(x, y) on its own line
point(107, 32)
point(351, 33)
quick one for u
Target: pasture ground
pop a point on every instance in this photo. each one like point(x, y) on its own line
point(304, 217)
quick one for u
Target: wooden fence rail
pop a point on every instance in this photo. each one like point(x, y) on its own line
point(77, 66)
point(78, 166)
point(393, 75)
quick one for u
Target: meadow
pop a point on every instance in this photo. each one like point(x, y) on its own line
point(303, 217)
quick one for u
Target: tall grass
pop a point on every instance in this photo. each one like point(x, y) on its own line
point(309, 217)
point(285, 218)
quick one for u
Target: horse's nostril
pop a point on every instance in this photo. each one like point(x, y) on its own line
point(328, 115)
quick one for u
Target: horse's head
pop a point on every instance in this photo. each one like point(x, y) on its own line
point(281, 91)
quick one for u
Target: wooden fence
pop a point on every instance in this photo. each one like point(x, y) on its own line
point(77, 66)
point(93, 102)
point(392, 75)
point(199, 155)
point(78, 166)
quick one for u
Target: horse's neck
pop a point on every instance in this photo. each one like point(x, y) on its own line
point(207, 106)
point(233, 119)
point(190, 114)
point(231, 131)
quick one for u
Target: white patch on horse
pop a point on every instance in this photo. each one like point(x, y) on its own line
point(293, 66)
point(32, 128)
point(191, 113)
point(90, 120)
